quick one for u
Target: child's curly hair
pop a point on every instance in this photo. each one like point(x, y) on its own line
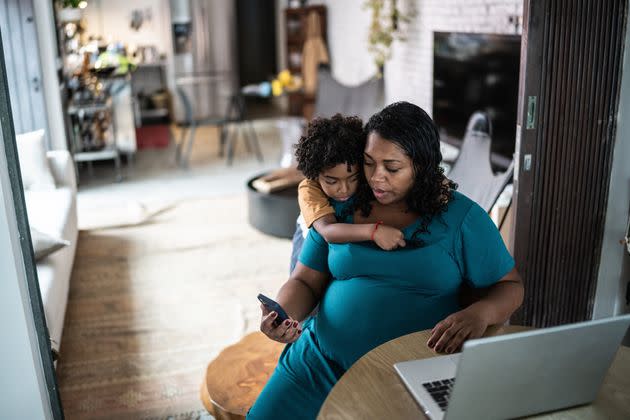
point(329, 142)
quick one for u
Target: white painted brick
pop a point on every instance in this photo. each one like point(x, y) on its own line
point(501, 9)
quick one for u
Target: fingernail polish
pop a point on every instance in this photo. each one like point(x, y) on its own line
point(295, 323)
point(287, 322)
point(299, 331)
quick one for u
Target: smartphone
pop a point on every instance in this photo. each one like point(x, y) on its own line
point(272, 305)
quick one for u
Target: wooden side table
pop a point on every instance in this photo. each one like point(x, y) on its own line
point(371, 389)
point(236, 377)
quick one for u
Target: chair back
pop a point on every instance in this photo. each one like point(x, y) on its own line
point(472, 170)
point(332, 97)
point(188, 111)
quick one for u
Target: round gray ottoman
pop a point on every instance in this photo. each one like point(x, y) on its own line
point(274, 213)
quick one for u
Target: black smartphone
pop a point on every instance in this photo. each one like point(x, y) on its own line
point(272, 305)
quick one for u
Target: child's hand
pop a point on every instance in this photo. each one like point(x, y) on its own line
point(388, 238)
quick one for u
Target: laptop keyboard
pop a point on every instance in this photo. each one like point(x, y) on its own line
point(440, 391)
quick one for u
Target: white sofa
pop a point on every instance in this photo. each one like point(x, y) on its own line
point(54, 212)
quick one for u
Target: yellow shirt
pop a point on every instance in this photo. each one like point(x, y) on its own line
point(313, 201)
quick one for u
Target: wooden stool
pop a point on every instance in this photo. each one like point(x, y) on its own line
point(236, 377)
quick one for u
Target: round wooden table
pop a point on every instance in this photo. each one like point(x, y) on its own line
point(371, 389)
point(236, 376)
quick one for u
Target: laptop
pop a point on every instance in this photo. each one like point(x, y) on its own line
point(517, 374)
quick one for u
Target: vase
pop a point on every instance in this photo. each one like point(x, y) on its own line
point(69, 14)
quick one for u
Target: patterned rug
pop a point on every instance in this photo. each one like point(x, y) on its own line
point(151, 304)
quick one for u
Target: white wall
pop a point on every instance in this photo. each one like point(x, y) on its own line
point(110, 19)
point(614, 268)
point(409, 73)
point(348, 24)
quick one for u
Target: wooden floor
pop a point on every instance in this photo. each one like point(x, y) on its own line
point(151, 305)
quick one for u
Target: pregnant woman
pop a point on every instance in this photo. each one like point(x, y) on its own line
point(368, 296)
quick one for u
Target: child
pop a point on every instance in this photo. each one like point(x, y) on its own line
point(330, 157)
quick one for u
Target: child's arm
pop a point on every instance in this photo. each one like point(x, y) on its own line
point(318, 212)
point(385, 237)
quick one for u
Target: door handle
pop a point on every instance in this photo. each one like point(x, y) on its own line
point(531, 113)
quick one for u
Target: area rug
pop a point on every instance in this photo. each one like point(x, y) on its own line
point(132, 213)
point(151, 304)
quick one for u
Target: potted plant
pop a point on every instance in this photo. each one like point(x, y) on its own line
point(384, 29)
point(70, 10)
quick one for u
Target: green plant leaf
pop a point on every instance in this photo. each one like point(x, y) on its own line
point(69, 3)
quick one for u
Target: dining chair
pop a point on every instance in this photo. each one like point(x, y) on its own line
point(235, 114)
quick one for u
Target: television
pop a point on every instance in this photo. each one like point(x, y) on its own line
point(473, 72)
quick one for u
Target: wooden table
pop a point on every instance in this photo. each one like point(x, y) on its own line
point(371, 389)
point(236, 377)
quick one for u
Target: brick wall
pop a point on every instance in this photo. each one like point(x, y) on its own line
point(409, 73)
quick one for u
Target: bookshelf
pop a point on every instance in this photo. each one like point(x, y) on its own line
point(295, 24)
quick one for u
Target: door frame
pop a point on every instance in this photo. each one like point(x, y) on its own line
point(34, 338)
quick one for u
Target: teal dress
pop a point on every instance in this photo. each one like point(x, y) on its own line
point(375, 296)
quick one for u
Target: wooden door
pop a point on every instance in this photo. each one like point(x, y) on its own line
point(570, 77)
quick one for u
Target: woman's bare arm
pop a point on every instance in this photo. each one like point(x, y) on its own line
point(496, 307)
point(302, 292)
point(501, 299)
point(298, 297)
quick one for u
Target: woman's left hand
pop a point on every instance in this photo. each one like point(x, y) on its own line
point(449, 334)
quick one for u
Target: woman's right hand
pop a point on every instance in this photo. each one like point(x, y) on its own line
point(388, 238)
point(287, 332)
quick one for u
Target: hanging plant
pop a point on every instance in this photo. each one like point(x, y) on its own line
point(384, 29)
point(74, 4)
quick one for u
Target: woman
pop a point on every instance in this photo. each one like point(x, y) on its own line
point(368, 296)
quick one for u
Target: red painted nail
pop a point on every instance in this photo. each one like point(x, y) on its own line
point(295, 323)
point(287, 322)
point(299, 331)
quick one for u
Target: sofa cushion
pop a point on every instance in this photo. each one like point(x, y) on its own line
point(53, 278)
point(36, 174)
point(54, 212)
point(50, 211)
point(44, 244)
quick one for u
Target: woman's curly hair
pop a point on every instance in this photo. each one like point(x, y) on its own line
point(329, 142)
point(415, 133)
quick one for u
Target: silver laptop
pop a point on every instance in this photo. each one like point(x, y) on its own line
point(517, 374)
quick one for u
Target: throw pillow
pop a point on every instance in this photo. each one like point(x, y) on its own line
point(44, 244)
point(36, 174)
